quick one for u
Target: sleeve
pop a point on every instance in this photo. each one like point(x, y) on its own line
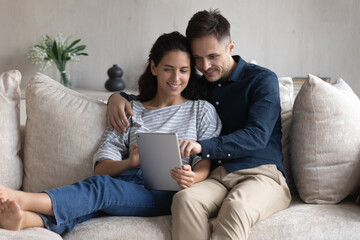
point(208, 126)
point(129, 97)
point(263, 113)
point(114, 146)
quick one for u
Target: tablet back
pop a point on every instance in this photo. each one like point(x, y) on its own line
point(159, 153)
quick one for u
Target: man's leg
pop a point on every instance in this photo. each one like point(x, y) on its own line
point(256, 194)
point(192, 207)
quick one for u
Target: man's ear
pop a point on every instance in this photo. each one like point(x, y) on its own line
point(153, 68)
point(231, 46)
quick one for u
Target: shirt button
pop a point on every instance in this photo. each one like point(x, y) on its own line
point(208, 155)
point(219, 85)
point(219, 161)
point(229, 154)
point(217, 103)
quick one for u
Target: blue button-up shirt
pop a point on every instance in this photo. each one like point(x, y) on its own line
point(248, 104)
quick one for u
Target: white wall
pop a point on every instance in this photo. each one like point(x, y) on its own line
point(293, 38)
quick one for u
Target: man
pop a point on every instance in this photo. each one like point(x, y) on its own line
point(248, 182)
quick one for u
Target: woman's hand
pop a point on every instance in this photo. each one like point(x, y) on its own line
point(185, 177)
point(189, 147)
point(116, 112)
point(134, 156)
point(114, 168)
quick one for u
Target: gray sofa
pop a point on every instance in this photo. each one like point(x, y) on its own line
point(64, 127)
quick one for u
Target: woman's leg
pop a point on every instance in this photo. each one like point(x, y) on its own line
point(35, 202)
point(80, 201)
point(12, 217)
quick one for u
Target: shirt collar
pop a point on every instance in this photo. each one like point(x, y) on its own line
point(235, 75)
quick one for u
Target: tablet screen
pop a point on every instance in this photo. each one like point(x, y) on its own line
point(159, 153)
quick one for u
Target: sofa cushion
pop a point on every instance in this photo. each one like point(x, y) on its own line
point(63, 131)
point(29, 234)
point(310, 221)
point(299, 221)
point(11, 170)
point(122, 228)
point(287, 101)
point(325, 141)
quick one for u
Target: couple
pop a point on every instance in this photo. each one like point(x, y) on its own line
point(247, 182)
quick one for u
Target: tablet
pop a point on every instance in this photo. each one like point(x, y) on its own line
point(159, 153)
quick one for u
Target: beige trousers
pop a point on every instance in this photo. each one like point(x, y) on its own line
point(238, 200)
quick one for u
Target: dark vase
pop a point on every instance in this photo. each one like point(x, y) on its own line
point(115, 82)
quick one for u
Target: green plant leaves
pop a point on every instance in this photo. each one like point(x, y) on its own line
point(57, 50)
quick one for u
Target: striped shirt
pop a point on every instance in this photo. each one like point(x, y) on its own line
point(191, 120)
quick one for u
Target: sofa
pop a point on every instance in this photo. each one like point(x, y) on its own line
point(321, 148)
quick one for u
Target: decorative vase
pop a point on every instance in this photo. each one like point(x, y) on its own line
point(65, 80)
point(115, 82)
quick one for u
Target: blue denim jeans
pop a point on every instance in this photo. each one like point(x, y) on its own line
point(124, 195)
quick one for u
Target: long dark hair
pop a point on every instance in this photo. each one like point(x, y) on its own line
point(167, 42)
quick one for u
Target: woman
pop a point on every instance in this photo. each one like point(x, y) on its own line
point(117, 188)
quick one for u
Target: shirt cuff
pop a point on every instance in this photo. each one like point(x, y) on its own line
point(208, 148)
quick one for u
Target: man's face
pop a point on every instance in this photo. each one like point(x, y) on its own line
point(213, 58)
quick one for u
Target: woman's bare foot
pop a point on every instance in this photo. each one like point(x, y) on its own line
point(11, 215)
point(7, 193)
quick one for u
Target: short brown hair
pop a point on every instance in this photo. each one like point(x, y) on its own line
point(206, 23)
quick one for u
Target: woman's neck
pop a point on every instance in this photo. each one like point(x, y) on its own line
point(161, 102)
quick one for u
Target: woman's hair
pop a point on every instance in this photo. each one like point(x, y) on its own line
point(165, 43)
point(206, 23)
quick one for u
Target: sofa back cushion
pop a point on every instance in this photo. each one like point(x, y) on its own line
point(287, 101)
point(11, 169)
point(63, 131)
point(325, 141)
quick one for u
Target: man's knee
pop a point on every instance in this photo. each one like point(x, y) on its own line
point(182, 198)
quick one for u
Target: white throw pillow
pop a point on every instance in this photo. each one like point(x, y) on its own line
point(325, 141)
point(287, 101)
point(11, 169)
point(63, 131)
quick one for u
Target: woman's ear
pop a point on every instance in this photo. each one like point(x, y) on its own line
point(153, 68)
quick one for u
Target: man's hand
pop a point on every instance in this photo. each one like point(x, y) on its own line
point(116, 112)
point(189, 147)
point(185, 177)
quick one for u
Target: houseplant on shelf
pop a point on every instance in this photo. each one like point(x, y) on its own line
point(56, 50)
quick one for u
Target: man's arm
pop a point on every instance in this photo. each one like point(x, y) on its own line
point(263, 114)
point(118, 106)
point(262, 117)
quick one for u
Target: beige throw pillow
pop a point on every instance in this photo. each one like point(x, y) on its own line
point(63, 131)
point(287, 101)
point(11, 169)
point(325, 141)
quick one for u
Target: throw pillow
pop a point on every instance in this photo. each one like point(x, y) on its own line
point(63, 131)
point(11, 169)
point(325, 141)
point(287, 102)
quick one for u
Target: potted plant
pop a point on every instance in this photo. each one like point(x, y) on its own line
point(56, 50)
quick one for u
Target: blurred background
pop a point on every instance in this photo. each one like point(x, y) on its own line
point(292, 38)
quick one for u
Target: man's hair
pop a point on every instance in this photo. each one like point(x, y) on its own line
point(206, 23)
